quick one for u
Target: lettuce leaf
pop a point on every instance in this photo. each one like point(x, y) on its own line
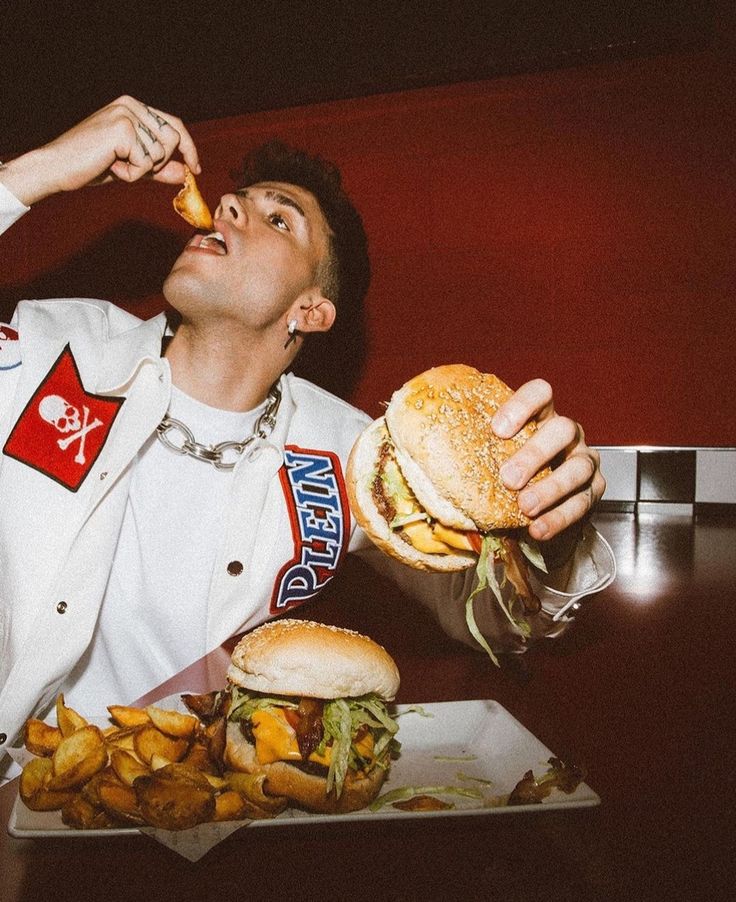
point(491, 548)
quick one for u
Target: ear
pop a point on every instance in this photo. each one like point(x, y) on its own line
point(313, 313)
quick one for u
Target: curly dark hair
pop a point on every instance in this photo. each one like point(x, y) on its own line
point(345, 276)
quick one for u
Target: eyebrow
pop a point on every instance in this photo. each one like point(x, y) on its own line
point(284, 200)
point(279, 197)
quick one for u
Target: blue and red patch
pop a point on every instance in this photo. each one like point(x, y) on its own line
point(319, 513)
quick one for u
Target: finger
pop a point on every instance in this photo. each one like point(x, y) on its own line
point(171, 173)
point(153, 145)
point(533, 399)
point(174, 134)
point(573, 509)
point(137, 164)
point(554, 437)
point(574, 475)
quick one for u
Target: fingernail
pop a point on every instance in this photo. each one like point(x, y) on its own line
point(529, 502)
point(502, 425)
point(540, 529)
point(511, 476)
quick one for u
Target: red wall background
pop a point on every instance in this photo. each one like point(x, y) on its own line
point(577, 225)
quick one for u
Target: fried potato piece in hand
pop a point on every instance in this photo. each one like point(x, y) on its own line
point(190, 204)
point(67, 718)
point(33, 787)
point(40, 738)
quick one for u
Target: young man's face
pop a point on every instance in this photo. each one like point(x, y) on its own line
point(273, 238)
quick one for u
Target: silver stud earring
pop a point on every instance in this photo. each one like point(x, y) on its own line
point(291, 329)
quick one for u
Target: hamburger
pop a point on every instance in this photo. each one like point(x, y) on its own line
point(424, 484)
point(308, 710)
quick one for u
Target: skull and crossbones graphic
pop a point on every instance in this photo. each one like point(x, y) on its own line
point(66, 418)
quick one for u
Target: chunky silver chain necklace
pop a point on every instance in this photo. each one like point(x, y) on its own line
point(224, 455)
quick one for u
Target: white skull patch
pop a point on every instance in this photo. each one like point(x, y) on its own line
point(64, 416)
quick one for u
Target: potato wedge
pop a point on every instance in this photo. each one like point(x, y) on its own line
point(127, 767)
point(172, 723)
point(90, 790)
point(230, 806)
point(40, 738)
point(78, 757)
point(208, 705)
point(216, 735)
point(81, 814)
point(149, 741)
point(126, 716)
point(198, 757)
point(185, 773)
point(33, 790)
point(174, 804)
point(122, 738)
point(120, 802)
point(67, 718)
point(190, 204)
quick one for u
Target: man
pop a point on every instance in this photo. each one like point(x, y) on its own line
point(125, 554)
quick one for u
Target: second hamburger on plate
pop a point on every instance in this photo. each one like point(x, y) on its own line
point(308, 710)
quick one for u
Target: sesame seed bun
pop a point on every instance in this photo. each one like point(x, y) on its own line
point(302, 658)
point(438, 426)
point(440, 423)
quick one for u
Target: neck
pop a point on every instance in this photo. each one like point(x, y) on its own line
point(224, 369)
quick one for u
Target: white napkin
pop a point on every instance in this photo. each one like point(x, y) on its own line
point(195, 842)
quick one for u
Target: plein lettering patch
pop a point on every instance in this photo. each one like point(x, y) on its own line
point(63, 428)
point(9, 348)
point(317, 502)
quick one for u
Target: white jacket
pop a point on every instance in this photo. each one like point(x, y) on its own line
point(64, 476)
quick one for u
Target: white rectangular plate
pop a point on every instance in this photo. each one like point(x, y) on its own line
point(473, 745)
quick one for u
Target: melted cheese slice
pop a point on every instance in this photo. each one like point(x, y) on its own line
point(276, 740)
point(435, 538)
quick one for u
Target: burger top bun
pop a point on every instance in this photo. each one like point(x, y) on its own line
point(302, 658)
point(440, 423)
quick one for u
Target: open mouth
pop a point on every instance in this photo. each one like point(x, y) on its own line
point(212, 241)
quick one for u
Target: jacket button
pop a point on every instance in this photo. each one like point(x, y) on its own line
point(3, 737)
point(61, 607)
point(234, 568)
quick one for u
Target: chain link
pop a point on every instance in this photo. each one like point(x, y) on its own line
point(215, 454)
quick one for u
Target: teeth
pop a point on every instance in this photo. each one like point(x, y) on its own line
point(215, 238)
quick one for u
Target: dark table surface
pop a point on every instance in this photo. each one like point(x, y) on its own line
point(641, 694)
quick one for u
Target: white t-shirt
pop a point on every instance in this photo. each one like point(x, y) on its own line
point(153, 617)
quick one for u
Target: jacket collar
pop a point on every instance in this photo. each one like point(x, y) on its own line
point(108, 344)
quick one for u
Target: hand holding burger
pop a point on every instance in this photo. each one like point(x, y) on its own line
point(435, 482)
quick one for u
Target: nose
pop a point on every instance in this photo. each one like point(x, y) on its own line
point(232, 209)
